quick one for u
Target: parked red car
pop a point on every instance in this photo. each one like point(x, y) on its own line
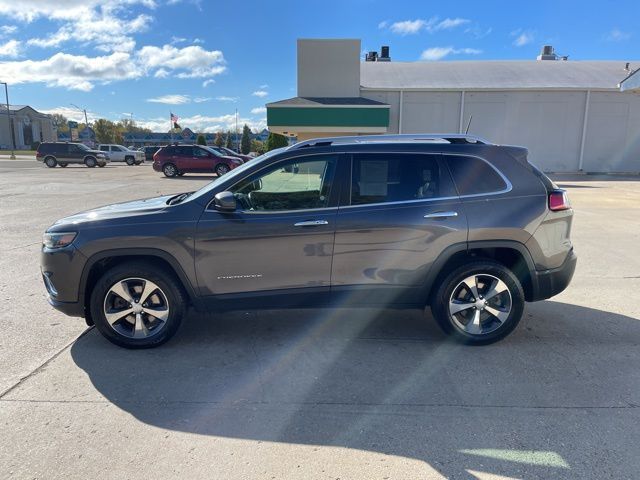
point(176, 160)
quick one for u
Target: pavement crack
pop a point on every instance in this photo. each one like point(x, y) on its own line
point(42, 365)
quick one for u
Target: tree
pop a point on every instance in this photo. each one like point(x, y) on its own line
point(276, 140)
point(219, 141)
point(245, 142)
point(229, 142)
point(257, 146)
point(60, 121)
point(105, 130)
point(200, 140)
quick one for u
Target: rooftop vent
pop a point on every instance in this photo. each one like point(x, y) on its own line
point(547, 53)
point(374, 57)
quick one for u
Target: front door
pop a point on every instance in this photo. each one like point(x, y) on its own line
point(280, 239)
point(401, 213)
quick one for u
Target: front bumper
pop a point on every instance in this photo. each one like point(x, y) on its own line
point(548, 283)
point(61, 272)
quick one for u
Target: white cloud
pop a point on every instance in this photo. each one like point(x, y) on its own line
point(208, 82)
point(161, 73)
point(617, 35)
point(260, 93)
point(438, 53)
point(10, 49)
point(227, 99)
point(170, 99)
point(259, 110)
point(522, 37)
point(431, 25)
point(478, 32)
point(191, 62)
point(201, 99)
point(7, 30)
point(72, 113)
point(383, 24)
point(29, 10)
point(75, 72)
point(264, 86)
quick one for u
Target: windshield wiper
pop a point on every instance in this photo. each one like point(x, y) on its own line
point(178, 198)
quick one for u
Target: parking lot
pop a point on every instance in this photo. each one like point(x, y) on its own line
point(323, 393)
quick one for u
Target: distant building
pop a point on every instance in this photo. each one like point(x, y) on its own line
point(140, 139)
point(27, 127)
point(571, 115)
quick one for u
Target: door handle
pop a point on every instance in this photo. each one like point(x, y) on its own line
point(311, 223)
point(441, 215)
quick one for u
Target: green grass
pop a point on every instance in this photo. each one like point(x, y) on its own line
point(18, 152)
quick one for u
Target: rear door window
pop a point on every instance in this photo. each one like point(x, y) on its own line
point(474, 176)
point(395, 177)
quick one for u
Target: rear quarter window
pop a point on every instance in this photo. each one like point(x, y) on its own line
point(474, 176)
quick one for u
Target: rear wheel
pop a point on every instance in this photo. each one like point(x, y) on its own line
point(138, 305)
point(50, 162)
point(90, 162)
point(130, 160)
point(170, 170)
point(221, 169)
point(479, 303)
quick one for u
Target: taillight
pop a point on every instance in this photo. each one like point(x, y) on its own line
point(558, 200)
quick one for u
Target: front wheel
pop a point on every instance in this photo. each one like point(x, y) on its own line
point(138, 305)
point(222, 169)
point(479, 303)
point(130, 161)
point(90, 162)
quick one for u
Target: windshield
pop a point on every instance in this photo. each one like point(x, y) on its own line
point(211, 150)
point(235, 173)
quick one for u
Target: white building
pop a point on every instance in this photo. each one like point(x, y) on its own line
point(28, 126)
point(572, 115)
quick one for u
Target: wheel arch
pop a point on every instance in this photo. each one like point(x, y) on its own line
point(513, 255)
point(99, 263)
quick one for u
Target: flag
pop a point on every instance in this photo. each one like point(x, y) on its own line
point(174, 120)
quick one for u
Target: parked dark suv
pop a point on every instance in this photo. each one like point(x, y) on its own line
point(176, 160)
point(64, 153)
point(470, 228)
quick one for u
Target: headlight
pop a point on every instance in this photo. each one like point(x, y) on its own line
point(58, 239)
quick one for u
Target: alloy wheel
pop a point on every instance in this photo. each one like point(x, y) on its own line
point(136, 308)
point(222, 169)
point(480, 304)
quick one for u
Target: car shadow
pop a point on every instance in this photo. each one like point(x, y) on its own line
point(543, 403)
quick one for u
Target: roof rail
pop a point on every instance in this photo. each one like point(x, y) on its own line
point(403, 138)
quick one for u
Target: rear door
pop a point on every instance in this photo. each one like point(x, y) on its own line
point(400, 213)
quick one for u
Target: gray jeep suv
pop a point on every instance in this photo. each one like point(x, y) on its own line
point(452, 222)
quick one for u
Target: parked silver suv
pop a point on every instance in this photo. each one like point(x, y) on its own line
point(471, 229)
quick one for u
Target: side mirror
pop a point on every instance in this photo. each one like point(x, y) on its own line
point(225, 202)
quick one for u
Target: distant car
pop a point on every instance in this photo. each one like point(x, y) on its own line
point(176, 160)
point(64, 153)
point(149, 151)
point(119, 153)
point(228, 152)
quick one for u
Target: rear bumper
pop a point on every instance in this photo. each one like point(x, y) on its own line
point(548, 283)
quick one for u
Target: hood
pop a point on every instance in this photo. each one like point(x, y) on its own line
point(118, 210)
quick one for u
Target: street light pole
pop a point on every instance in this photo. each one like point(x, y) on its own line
point(86, 122)
point(11, 133)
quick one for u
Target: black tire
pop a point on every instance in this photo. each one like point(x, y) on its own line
point(170, 170)
point(491, 328)
point(221, 169)
point(139, 162)
point(130, 161)
point(63, 165)
point(170, 289)
point(50, 162)
point(90, 162)
point(180, 174)
point(102, 165)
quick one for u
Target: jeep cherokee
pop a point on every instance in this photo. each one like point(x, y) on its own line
point(469, 228)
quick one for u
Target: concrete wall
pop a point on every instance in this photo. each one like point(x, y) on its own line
point(328, 68)
point(549, 123)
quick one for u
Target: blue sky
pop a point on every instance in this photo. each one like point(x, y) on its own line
point(203, 59)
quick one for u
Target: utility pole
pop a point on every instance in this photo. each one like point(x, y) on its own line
point(237, 145)
point(86, 122)
point(11, 132)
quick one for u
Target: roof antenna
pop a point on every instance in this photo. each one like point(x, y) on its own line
point(466, 132)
